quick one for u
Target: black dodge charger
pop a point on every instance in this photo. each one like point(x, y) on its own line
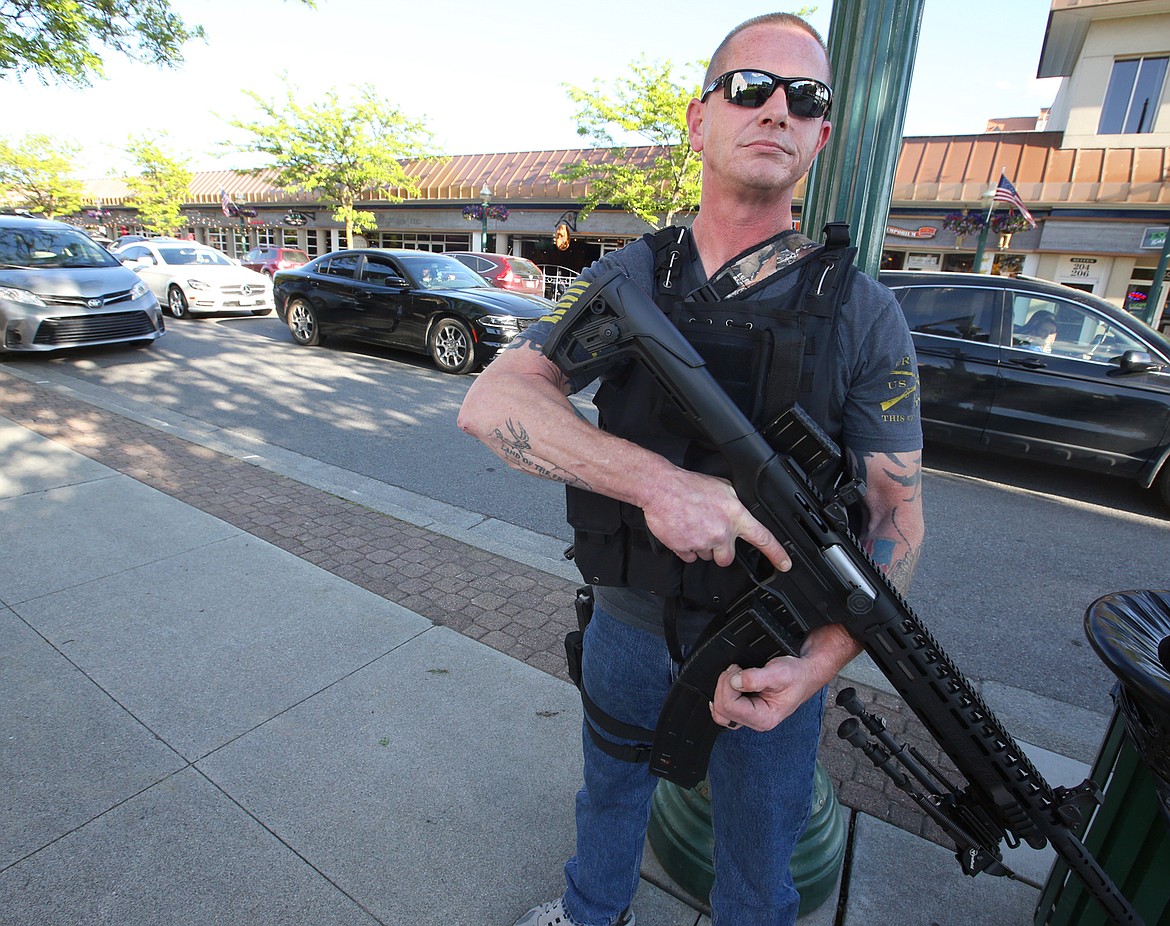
point(414, 300)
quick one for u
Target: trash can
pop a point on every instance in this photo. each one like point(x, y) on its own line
point(1129, 833)
point(1131, 633)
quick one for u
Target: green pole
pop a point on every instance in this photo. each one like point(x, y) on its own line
point(871, 45)
point(1156, 287)
point(980, 248)
point(982, 244)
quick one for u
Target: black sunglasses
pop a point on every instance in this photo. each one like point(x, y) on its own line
point(805, 97)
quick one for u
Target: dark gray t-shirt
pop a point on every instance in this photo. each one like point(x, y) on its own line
point(875, 388)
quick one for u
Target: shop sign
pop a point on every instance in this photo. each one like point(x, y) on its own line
point(925, 231)
point(923, 262)
point(295, 219)
point(1083, 268)
point(1154, 237)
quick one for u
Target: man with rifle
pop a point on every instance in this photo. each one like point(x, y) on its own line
point(660, 534)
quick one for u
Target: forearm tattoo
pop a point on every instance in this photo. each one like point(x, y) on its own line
point(896, 553)
point(515, 449)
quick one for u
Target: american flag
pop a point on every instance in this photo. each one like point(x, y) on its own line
point(1006, 193)
point(225, 202)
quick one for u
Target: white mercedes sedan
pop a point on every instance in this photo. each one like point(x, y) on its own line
point(190, 278)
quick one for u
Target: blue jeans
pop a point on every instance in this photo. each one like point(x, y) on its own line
point(761, 791)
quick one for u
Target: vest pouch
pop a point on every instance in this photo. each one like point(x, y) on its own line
point(737, 350)
point(652, 567)
point(599, 536)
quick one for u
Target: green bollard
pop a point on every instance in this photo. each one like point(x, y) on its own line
point(681, 837)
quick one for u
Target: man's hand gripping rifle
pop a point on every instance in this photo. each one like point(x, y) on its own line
point(832, 580)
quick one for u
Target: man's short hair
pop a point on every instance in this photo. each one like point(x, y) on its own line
point(790, 20)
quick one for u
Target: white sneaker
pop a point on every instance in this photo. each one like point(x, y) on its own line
point(553, 914)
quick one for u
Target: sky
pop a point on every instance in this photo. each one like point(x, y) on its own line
point(484, 75)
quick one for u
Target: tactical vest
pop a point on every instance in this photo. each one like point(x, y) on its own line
point(766, 353)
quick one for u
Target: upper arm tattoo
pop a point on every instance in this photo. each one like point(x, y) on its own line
point(885, 539)
point(533, 338)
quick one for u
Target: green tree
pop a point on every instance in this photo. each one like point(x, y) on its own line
point(66, 40)
point(649, 105)
point(337, 150)
point(160, 189)
point(36, 173)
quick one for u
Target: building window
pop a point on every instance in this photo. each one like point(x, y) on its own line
point(1137, 294)
point(958, 263)
point(218, 238)
point(1131, 100)
point(265, 237)
point(420, 241)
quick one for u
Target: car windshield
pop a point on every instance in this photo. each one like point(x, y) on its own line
point(437, 271)
point(188, 255)
point(51, 247)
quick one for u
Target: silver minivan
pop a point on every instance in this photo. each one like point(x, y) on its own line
point(60, 289)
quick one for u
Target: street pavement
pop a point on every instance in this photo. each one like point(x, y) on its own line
point(244, 688)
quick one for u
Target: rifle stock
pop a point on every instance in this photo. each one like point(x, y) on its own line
point(832, 580)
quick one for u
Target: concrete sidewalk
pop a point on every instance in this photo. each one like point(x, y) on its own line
point(204, 727)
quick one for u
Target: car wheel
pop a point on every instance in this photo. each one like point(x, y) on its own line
point(177, 303)
point(302, 322)
point(1162, 483)
point(451, 346)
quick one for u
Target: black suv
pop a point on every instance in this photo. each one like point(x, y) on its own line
point(1030, 368)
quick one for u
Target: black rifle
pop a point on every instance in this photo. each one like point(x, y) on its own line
point(832, 581)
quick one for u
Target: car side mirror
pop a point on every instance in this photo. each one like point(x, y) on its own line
point(1136, 361)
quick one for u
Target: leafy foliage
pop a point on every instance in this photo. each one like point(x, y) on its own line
point(160, 188)
point(337, 150)
point(649, 105)
point(65, 39)
point(36, 174)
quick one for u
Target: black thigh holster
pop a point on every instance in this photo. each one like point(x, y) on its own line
point(597, 720)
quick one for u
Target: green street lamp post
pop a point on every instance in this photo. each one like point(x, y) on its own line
point(485, 196)
point(982, 245)
point(1151, 312)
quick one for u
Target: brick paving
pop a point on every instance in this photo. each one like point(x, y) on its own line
point(509, 606)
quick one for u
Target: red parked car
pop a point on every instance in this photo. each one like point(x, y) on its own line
point(504, 271)
point(268, 260)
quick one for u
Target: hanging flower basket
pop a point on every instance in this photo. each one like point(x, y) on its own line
point(1007, 223)
point(475, 213)
point(963, 223)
